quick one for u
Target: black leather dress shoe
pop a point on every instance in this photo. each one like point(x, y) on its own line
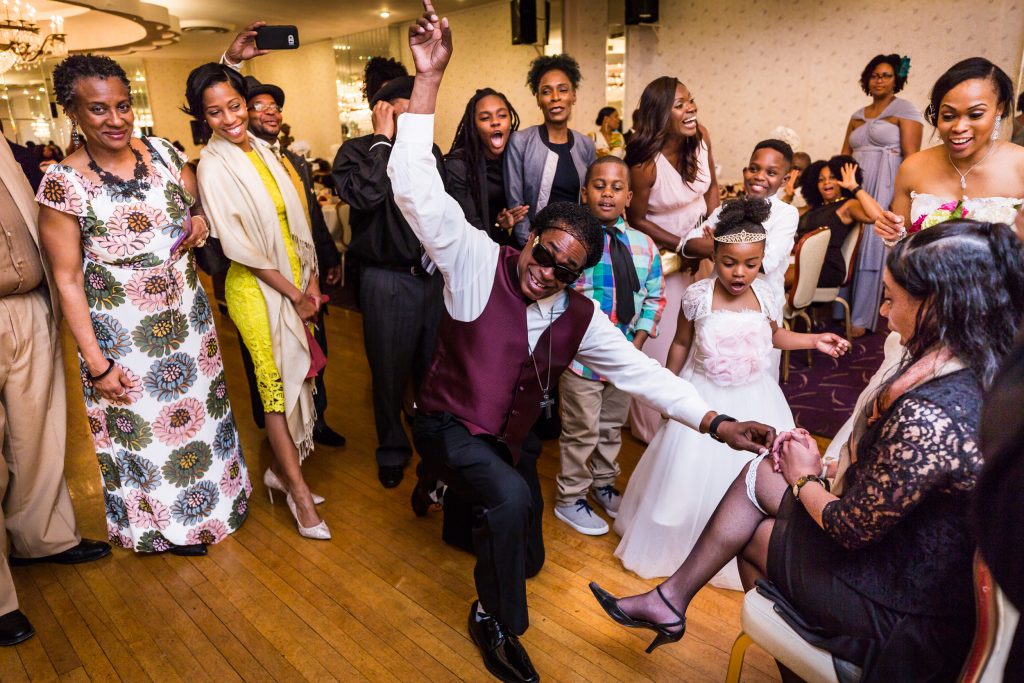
point(504, 656)
point(325, 436)
point(421, 500)
point(390, 475)
point(86, 551)
point(15, 628)
point(195, 550)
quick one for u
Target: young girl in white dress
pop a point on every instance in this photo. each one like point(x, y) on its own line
point(723, 344)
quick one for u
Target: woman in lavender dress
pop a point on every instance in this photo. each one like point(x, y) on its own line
point(879, 137)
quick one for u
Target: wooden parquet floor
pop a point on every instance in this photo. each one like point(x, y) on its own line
point(385, 600)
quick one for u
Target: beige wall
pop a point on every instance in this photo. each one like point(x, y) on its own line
point(307, 77)
point(165, 79)
point(484, 57)
point(754, 64)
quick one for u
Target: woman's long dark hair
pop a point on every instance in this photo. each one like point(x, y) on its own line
point(970, 277)
point(966, 70)
point(467, 143)
point(651, 123)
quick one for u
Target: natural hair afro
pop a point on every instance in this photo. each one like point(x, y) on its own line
point(378, 71)
point(576, 220)
point(545, 63)
point(69, 71)
point(745, 213)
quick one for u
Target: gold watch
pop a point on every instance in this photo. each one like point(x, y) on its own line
point(803, 481)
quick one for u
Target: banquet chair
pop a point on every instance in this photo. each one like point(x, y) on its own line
point(763, 626)
point(850, 249)
point(342, 209)
point(993, 635)
point(809, 257)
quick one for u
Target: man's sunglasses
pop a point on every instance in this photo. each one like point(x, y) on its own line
point(545, 259)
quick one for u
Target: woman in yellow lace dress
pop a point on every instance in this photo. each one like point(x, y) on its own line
point(271, 288)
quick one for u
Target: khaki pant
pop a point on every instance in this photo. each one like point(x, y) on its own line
point(592, 417)
point(36, 509)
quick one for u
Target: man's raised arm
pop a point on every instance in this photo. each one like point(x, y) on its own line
point(457, 248)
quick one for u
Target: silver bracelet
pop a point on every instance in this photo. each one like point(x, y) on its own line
point(899, 238)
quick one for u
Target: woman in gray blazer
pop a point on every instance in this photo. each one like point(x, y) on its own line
point(547, 163)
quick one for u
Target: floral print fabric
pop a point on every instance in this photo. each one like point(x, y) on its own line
point(170, 459)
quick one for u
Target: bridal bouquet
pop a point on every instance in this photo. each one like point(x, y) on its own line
point(988, 212)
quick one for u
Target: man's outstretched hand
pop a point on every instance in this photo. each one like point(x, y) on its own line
point(747, 436)
point(430, 40)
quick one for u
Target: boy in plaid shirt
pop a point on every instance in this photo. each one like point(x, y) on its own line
point(627, 285)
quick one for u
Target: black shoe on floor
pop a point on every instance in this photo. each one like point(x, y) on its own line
point(195, 550)
point(86, 551)
point(325, 436)
point(422, 501)
point(504, 656)
point(15, 628)
point(390, 475)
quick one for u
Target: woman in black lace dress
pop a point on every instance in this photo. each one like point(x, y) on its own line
point(879, 575)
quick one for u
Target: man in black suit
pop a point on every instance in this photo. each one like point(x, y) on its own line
point(265, 103)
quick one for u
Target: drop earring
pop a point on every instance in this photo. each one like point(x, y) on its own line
point(76, 137)
point(995, 130)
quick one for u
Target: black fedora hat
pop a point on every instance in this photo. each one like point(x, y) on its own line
point(254, 88)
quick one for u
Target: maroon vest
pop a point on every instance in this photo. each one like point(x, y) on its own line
point(482, 372)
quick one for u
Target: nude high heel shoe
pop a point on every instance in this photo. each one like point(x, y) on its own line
point(319, 532)
point(272, 483)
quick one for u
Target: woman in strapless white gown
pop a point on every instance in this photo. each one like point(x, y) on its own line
point(973, 174)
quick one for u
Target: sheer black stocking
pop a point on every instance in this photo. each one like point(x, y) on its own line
point(735, 525)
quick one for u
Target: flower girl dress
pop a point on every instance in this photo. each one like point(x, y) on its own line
point(683, 475)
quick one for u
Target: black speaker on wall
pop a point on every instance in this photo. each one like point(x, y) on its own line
point(641, 12)
point(527, 24)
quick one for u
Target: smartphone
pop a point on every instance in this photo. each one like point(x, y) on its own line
point(186, 231)
point(277, 38)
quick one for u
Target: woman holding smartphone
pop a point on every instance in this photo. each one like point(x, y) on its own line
point(271, 288)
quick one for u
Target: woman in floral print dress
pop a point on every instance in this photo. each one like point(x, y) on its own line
point(173, 473)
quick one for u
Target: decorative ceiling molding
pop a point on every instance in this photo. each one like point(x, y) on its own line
point(160, 27)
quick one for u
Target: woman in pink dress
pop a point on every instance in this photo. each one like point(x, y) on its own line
point(674, 188)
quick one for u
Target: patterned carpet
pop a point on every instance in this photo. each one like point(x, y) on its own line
point(823, 396)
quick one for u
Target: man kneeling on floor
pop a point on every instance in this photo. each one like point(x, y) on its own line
point(476, 408)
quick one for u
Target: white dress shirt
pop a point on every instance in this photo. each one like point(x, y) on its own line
point(781, 230)
point(468, 259)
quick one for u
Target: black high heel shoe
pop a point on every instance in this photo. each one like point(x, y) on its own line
point(610, 604)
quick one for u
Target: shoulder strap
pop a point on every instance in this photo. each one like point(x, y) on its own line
point(154, 153)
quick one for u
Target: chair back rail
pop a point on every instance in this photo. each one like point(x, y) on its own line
point(809, 256)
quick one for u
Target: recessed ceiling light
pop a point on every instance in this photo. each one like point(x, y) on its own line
point(384, 14)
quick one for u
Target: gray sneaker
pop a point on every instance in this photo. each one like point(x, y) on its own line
point(580, 516)
point(609, 498)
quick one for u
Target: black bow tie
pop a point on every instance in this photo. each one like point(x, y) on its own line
point(626, 280)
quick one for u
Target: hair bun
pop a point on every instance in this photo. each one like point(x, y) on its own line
point(744, 210)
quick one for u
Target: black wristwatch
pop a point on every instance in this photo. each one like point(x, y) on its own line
point(856, 190)
point(713, 427)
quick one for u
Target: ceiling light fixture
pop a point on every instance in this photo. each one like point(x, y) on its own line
point(384, 14)
point(22, 42)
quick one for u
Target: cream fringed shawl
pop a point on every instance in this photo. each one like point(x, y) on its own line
point(243, 217)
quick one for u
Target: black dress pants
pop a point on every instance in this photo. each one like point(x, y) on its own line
point(507, 508)
point(401, 312)
point(319, 396)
